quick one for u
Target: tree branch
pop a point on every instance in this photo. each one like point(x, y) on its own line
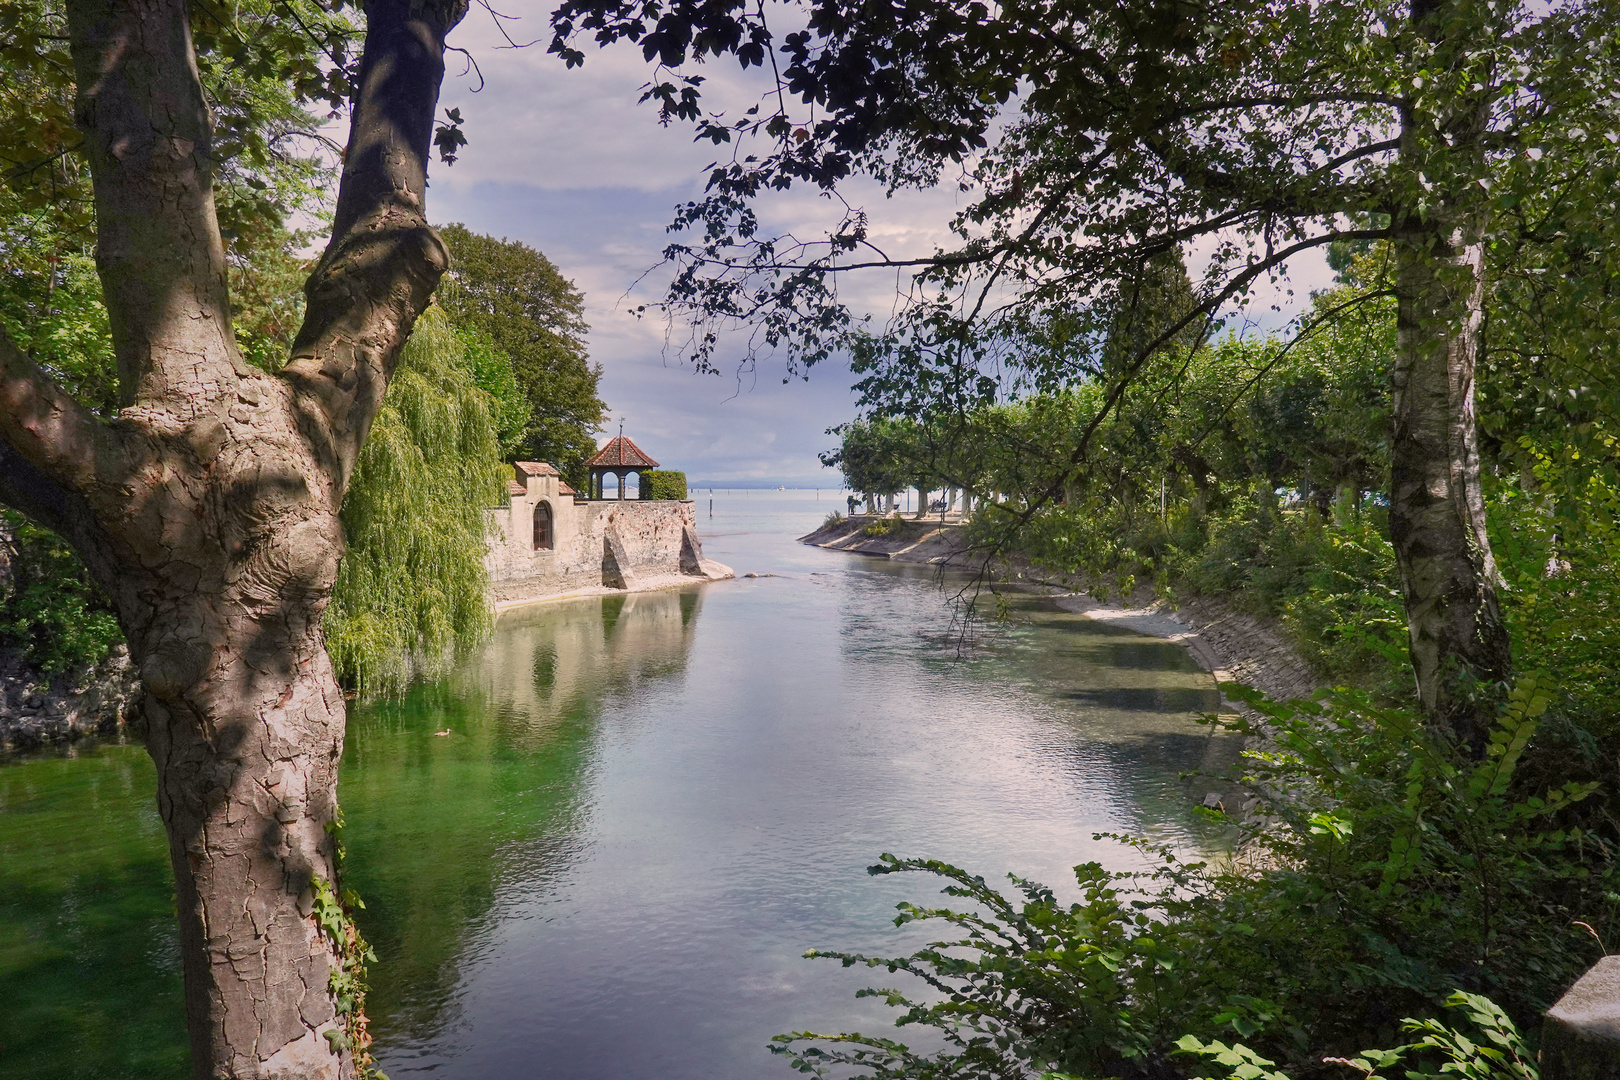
point(45, 427)
point(25, 488)
point(50, 450)
point(384, 259)
point(158, 249)
point(1281, 101)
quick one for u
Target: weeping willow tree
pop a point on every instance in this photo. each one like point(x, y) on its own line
point(411, 592)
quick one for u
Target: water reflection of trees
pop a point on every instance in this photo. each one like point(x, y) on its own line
point(1111, 709)
point(441, 828)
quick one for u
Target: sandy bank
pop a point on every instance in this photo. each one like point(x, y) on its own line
point(906, 539)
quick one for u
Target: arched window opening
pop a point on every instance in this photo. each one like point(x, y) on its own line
point(542, 527)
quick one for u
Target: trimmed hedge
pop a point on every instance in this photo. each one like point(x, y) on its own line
point(663, 484)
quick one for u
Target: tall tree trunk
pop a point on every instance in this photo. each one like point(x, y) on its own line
point(1459, 642)
point(247, 758)
point(209, 508)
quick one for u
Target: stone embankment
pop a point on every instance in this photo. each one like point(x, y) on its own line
point(1232, 646)
point(36, 711)
point(901, 539)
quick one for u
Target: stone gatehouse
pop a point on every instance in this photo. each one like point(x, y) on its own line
point(549, 541)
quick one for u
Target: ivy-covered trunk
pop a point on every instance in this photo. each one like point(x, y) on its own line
point(209, 508)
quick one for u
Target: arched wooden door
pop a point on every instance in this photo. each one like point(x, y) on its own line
point(544, 537)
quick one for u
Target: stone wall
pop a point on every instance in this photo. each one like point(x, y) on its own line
point(594, 544)
point(36, 711)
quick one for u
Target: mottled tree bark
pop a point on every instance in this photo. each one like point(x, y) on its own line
point(1459, 642)
point(209, 508)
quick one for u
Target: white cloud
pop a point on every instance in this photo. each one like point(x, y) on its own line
point(536, 122)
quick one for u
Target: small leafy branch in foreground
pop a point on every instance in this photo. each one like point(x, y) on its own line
point(1494, 1051)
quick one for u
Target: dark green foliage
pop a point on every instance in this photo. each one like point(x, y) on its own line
point(493, 373)
point(663, 484)
point(519, 300)
point(334, 910)
point(50, 306)
point(1332, 582)
point(1489, 1047)
point(49, 608)
point(876, 456)
point(1382, 872)
point(264, 66)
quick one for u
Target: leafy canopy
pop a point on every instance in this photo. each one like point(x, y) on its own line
point(519, 300)
point(265, 64)
point(1088, 139)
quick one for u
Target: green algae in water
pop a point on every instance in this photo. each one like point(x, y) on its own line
point(89, 956)
point(434, 823)
point(89, 953)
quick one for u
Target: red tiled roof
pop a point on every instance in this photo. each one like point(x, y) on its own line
point(516, 488)
point(620, 451)
point(564, 489)
point(535, 468)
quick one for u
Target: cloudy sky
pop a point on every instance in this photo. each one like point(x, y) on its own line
point(567, 162)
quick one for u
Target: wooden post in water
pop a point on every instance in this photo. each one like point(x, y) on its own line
point(1580, 1039)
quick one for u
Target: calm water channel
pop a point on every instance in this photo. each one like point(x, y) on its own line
point(647, 808)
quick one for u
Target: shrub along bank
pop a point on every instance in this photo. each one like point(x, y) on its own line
point(664, 484)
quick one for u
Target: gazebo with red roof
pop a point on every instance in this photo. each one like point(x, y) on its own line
point(621, 457)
